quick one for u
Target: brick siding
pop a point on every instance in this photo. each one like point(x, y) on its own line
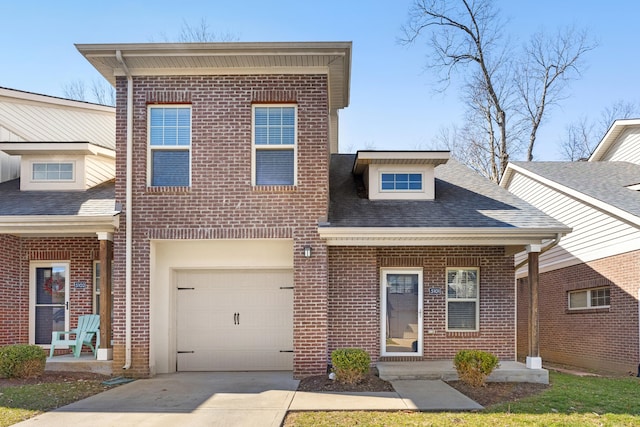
point(221, 203)
point(16, 254)
point(354, 298)
point(600, 339)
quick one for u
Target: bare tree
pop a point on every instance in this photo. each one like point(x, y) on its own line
point(582, 136)
point(545, 70)
point(203, 33)
point(100, 92)
point(467, 37)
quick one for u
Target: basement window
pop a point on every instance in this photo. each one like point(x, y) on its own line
point(589, 298)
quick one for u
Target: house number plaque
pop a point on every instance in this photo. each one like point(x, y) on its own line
point(79, 285)
point(435, 291)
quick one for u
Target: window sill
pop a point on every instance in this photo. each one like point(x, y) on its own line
point(588, 310)
point(274, 188)
point(462, 334)
point(168, 190)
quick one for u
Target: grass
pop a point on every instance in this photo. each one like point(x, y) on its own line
point(570, 401)
point(18, 403)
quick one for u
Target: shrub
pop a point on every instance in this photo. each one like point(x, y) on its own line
point(350, 365)
point(22, 361)
point(474, 366)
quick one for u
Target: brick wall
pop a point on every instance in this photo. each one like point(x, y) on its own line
point(221, 203)
point(599, 339)
point(16, 254)
point(14, 292)
point(354, 298)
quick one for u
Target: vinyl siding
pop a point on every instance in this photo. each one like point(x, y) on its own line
point(595, 233)
point(98, 170)
point(625, 148)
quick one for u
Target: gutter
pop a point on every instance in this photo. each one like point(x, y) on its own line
point(543, 250)
point(128, 204)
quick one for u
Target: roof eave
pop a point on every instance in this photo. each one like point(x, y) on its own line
point(59, 224)
point(417, 236)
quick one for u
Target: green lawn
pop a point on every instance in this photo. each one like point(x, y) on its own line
point(570, 401)
point(22, 402)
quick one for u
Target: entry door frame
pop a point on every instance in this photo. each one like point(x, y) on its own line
point(32, 295)
point(383, 310)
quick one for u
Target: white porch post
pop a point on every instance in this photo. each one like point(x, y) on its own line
point(105, 352)
point(534, 361)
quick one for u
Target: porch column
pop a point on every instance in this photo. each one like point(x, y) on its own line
point(105, 352)
point(534, 361)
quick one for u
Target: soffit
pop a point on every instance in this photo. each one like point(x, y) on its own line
point(332, 58)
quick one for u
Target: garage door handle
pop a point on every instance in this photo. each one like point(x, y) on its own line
point(236, 318)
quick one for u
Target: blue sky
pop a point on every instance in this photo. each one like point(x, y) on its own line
point(393, 102)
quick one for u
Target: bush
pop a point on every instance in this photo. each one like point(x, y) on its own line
point(22, 361)
point(474, 366)
point(350, 365)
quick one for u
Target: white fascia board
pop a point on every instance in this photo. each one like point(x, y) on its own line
point(58, 224)
point(52, 148)
point(586, 199)
point(611, 136)
point(396, 236)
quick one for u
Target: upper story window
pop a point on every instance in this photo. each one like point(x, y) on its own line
point(401, 182)
point(169, 146)
point(462, 299)
point(52, 171)
point(274, 145)
point(590, 298)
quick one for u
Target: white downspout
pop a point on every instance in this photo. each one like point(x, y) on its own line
point(545, 249)
point(128, 204)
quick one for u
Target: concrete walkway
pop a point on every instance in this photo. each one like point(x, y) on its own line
point(238, 399)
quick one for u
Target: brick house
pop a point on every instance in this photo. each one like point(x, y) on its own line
point(57, 212)
point(589, 292)
point(248, 243)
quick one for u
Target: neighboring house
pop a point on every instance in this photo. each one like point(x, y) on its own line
point(249, 243)
point(588, 286)
point(57, 212)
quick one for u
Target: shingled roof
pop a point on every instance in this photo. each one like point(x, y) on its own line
point(603, 181)
point(463, 200)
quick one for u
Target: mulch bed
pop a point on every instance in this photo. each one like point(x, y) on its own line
point(490, 394)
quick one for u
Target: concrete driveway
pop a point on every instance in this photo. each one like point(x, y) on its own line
point(184, 399)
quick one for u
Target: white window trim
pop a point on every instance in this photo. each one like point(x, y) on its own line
point(395, 190)
point(168, 147)
point(383, 313)
point(255, 147)
point(32, 296)
point(588, 291)
point(476, 299)
point(54, 162)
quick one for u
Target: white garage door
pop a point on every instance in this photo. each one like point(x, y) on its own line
point(234, 320)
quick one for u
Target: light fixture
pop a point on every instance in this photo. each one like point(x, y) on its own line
point(307, 251)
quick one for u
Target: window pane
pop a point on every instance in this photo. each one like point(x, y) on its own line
point(288, 116)
point(170, 126)
point(274, 125)
point(261, 136)
point(275, 116)
point(578, 299)
point(274, 167)
point(275, 136)
point(462, 284)
point(260, 116)
point(600, 297)
point(462, 315)
point(157, 116)
point(170, 168)
point(288, 136)
point(401, 181)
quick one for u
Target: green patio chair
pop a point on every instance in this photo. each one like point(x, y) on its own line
point(88, 327)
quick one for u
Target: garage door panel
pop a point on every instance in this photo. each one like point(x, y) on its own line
point(235, 320)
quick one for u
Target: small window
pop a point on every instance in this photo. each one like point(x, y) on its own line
point(170, 146)
point(96, 287)
point(401, 182)
point(589, 298)
point(50, 171)
point(462, 299)
point(274, 143)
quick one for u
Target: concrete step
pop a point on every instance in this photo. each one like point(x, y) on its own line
point(508, 371)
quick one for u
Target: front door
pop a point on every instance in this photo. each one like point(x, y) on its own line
point(50, 301)
point(402, 312)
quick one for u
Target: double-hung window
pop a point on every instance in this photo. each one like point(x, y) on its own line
point(169, 146)
point(462, 299)
point(274, 145)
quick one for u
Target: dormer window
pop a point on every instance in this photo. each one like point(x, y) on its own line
point(401, 182)
point(399, 175)
point(52, 171)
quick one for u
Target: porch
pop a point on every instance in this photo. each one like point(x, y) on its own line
point(85, 363)
point(508, 371)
